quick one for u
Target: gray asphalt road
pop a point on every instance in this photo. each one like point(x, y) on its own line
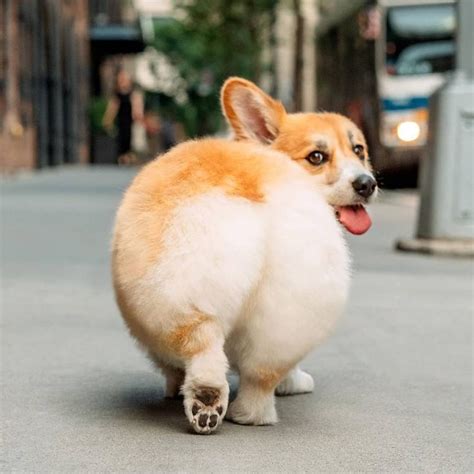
point(393, 386)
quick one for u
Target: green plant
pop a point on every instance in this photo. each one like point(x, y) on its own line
point(208, 41)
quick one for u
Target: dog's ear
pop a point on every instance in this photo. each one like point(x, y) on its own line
point(252, 114)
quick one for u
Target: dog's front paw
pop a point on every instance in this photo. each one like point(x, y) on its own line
point(247, 413)
point(296, 382)
point(205, 408)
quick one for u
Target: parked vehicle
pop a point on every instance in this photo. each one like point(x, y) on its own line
point(384, 62)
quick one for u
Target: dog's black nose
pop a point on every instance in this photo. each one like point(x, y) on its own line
point(364, 185)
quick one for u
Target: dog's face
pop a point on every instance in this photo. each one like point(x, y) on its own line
point(329, 146)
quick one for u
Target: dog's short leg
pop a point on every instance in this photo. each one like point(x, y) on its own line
point(205, 389)
point(297, 381)
point(255, 402)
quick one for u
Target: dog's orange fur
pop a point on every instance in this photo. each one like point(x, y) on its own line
point(268, 378)
point(188, 170)
point(189, 338)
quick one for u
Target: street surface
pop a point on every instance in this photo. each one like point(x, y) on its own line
point(393, 385)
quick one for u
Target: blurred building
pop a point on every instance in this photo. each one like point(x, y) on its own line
point(44, 52)
point(51, 53)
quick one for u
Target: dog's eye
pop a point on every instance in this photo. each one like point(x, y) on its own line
point(317, 158)
point(359, 151)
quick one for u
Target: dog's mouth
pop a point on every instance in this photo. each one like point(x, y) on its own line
point(354, 218)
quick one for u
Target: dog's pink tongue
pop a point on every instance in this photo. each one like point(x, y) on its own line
point(355, 219)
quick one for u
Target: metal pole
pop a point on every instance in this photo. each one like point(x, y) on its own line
point(446, 214)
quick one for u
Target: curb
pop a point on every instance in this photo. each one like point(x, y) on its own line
point(446, 247)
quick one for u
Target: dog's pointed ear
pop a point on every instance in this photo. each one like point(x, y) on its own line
point(252, 114)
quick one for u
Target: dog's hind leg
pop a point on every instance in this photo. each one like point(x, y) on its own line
point(205, 388)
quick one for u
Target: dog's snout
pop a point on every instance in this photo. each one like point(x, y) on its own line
point(364, 185)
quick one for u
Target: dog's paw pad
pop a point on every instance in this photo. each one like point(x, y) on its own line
point(207, 410)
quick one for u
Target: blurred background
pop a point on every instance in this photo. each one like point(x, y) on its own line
point(118, 81)
point(91, 89)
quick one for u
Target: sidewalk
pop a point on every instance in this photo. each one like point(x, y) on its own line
point(393, 385)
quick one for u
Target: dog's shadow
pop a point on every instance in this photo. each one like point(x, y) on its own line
point(147, 405)
point(138, 400)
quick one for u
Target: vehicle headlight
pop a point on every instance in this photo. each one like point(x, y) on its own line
point(408, 131)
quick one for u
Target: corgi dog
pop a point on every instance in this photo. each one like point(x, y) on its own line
point(231, 254)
